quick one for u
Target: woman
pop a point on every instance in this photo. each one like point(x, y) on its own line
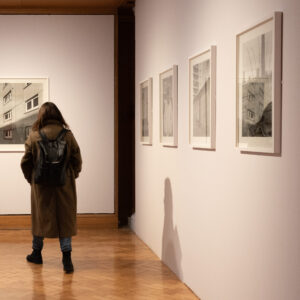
point(53, 208)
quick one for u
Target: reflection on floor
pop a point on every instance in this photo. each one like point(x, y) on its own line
point(109, 264)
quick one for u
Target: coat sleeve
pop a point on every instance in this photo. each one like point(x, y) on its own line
point(27, 160)
point(75, 157)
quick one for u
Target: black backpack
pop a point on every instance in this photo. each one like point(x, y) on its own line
point(51, 164)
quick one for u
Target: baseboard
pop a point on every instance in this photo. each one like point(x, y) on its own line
point(84, 221)
point(97, 221)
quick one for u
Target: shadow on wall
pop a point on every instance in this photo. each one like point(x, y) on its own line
point(171, 250)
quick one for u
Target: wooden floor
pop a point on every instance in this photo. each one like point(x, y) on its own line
point(109, 264)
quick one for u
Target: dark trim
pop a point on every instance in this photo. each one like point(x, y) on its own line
point(126, 114)
point(116, 114)
point(84, 221)
point(58, 11)
point(123, 17)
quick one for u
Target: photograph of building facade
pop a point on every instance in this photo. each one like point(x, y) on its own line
point(201, 99)
point(257, 85)
point(167, 106)
point(18, 110)
point(145, 118)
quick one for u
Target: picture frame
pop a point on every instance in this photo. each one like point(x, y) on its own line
point(168, 99)
point(20, 100)
point(258, 87)
point(146, 101)
point(202, 99)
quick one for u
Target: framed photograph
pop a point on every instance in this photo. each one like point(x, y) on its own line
point(202, 96)
point(168, 81)
point(20, 102)
point(258, 87)
point(146, 111)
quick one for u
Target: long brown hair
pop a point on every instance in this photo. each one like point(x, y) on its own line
point(48, 111)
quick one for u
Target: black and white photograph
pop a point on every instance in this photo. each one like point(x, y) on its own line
point(201, 95)
point(259, 61)
point(257, 86)
point(168, 107)
point(145, 121)
point(202, 99)
point(20, 101)
point(146, 111)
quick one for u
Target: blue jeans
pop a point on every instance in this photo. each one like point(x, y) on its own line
point(65, 243)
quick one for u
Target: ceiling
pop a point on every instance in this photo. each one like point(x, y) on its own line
point(80, 6)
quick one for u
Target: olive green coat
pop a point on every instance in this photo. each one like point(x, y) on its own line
point(53, 209)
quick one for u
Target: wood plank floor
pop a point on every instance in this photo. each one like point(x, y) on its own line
point(109, 264)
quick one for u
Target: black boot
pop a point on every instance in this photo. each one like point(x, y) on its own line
point(35, 257)
point(67, 262)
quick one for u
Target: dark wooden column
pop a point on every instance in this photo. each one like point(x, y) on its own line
point(126, 114)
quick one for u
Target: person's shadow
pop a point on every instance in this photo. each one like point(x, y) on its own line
point(171, 250)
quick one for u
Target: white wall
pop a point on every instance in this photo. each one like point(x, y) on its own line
point(76, 53)
point(227, 223)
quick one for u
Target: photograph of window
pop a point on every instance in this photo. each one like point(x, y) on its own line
point(7, 134)
point(20, 100)
point(7, 97)
point(32, 103)
point(7, 115)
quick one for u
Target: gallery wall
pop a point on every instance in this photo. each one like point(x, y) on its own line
point(76, 53)
point(226, 223)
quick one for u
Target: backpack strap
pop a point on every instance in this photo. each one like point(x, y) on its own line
point(62, 134)
point(43, 136)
